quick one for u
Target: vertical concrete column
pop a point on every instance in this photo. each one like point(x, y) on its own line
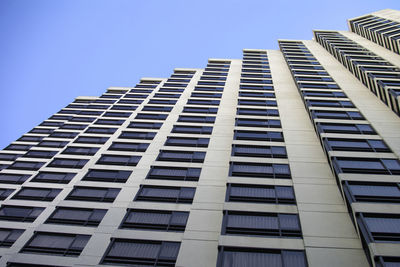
point(200, 241)
point(329, 236)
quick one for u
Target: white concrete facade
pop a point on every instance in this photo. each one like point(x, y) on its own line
point(190, 148)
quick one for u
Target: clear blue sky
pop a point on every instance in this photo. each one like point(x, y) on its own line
point(55, 50)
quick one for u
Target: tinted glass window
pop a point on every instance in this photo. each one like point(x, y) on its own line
point(139, 252)
point(155, 220)
point(57, 244)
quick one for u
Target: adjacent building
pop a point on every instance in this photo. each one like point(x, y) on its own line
point(281, 158)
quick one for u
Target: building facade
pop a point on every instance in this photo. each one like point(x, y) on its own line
point(281, 158)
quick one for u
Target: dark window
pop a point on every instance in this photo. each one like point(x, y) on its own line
point(171, 90)
point(212, 77)
point(340, 115)
point(119, 160)
point(77, 216)
point(329, 103)
point(134, 147)
point(60, 117)
point(261, 224)
point(211, 89)
point(117, 114)
point(83, 119)
point(100, 106)
point(183, 84)
point(257, 112)
point(91, 140)
point(323, 94)
point(98, 130)
point(41, 131)
point(108, 101)
point(134, 95)
point(256, 75)
point(155, 220)
point(198, 119)
point(109, 122)
point(5, 192)
point(230, 256)
point(80, 112)
point(79, 150)
point(110, 96)
point(97, 194)
point(266, 170)
point(56, 244)
point(174, 173)
point(342, 144)
point(29, 138)
point(147, 91)
point(68, 163)
point(187, 141)
point(381, 261)
point(74, 126)
point(19, 213)
point(151, 116)
point(203, 102)
point(171, 194)
point(216, 69)
point(200, 110)
point(40, 154)
point(141, 252)
point(18, 147)
point(258, 136)
point(9, 236)
point(210, 83)
point(107, 176)
point(259, 151)
point(160, 95)
point(192, 129)
point(123, 107)
point(257, 87)
point(116, 91)
point(372, 192)
point(249, 102)
point(258, 123)
point(53, 177)
point(145, 125)
point(162, 102)
point(206, 95)
point(26, 165)
point(157, 108)
point(379, 227)
point(256, 94)
point(260, 193)
point(138, 135)
point(130, 101)
point(367, 165)
point(314, 78)
point(53, 143)
point(39, 194)
point(9, 157)
point(52, 123)
point(74, 111)
point(255, 70)
point(181, 156)
point(345, 128)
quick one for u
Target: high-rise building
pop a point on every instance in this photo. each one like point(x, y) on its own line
point(281, 158)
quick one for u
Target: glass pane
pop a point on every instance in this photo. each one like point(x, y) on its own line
point(148, 217)
point(252, 221)
point(251, 259)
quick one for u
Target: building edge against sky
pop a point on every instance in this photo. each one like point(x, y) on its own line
point(283, 158)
